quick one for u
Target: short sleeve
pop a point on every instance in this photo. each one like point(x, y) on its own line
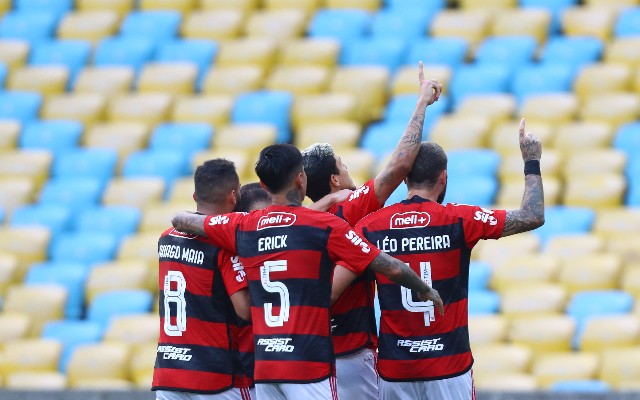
point(221, 230)
point(232, 271)
point(353, 251)
point(360, 203)
point(479, 223)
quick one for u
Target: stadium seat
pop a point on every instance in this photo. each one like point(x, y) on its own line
point(133, 329)
point(471, 26)
point(281, 25)
point(506, 381)
point(606, 332)
point(594, 161)
point(505, 139)
point(387, 52)
point(551, 108)
point(141, 366)
point(88, 25)
point(630, 280)
point(497, 107)
point(73, 54)
point(381, 138)
point(483, 302)
point(187, 138)
point(620, 365)
point(244, 5)
point(513, 51)
point(20, 106)
point(233, 80)
point(617, 221)
point(107, 305)
point(522, 21)
point(27, 355)
point(497, 252)
point(523, 301)
point(494, 358)
point(401, 107)
point(13, 53)
point(525, 269)
point(573, 50)
point(8, 269)
point(76, 193)
point(544, 333)
point(58, 8)
point(199, 52)
point(478, 79)
point(43, 381)
point(32, 27)
point(308, 6)
point(131, 52)
point(449, 51)
point(71, 277)
point(487, 329)
point(481, 190)
point(615, 108)
point(592, 272)
point(86, 108)
point(588, 21)
point(583, 135)
point(314, 52)
point(140, 247)
point(339, 134)
point(86, 163)
point(122, 137)
point(57, 137)
point(323, 108)
point(56, 217)
point(31, 164)
point(107, 80)
point(103, 279)
point(369, 5)
point(479, 274)
point(628, 22)
point(149, 108)
point(134, 192)
point(563, 220)
point(9, 133)
point(157, 26)
point(407, 24)
point(511, 190)
point(627, 139)
point(298, 79)
point(15, 325)
point(360, 163)
point(368, 84)
point(182, 192)
point(511, 165)
point(42, 303)
point(434, 5)
point(344, 25)
point(550, 368)
point(246, 137)
point(155, 218)
point(590, 80)
point(84, 247)
point(568, 246)
point(121, 7)
point(544, 78)
point(616, 4)
point(117, 220)
point(405, 80)
point(259, 52)
point(16, 191)
point(98, 362)
point(266, 108)
point(586, 305)
point(454, 132)
point(175, 78)
point(625, 50)
point(28, 244)
point(210, 109)
point(155, 163)
point(580, 386)
point(182, 6)
point(597, 190)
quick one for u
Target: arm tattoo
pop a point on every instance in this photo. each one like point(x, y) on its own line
point(187, 222)
point(531, 213)
point(398, 272)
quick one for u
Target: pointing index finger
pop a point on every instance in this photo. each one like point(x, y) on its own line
point(521, 128)
point(420, 71)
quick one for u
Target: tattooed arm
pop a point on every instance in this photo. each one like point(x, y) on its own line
point(406, 151)
point(190, 223)
point(531, 213)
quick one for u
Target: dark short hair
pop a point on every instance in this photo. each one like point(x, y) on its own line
point(319, 164)
point(277, 165)
point(428, 166)
point(250, 195)
point(214, 179)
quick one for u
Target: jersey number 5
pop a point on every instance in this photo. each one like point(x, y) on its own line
point(175, 296)
point(425, 307)
point(275, 287)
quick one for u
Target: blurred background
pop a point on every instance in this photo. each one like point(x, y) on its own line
point(107, 106)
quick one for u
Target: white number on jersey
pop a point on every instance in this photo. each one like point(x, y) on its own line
point(425, 307)
point(275, 287)
point(177, 297)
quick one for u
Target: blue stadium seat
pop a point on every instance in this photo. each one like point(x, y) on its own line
point(415, 4)
point(2, 214)
point(72, 277)
point(57, 7)
point(400, 109)
point(479, 275)
point(562, 220)
point(3, 74)
point(186, 138)
point(449, 51)
point(581, 386)
point(117, 303)
point(627, 139)
point(55, 136)
point(165, 164)
point(74, 54)
point(388, 52)
point(576, 51)
point(344, 25)
point(513, 51)
point(477, 190)
point(158, 26)
point(116, 220)
point(56, 217)
point(381, 138)
point(268, 107)
point(632, 198)
point(483, 302)
point(398, 195)
point(32, 27)
point(200, 52)
point(376, 311)
point(86, 163)
point(127, 51)
point(542, 79)
point(555, 7)
point(479, 79)
point(468, 163)
point(85, 248)
point(71, 334)
point(76, 193)
point(408, 24)
point(21, 106)
point(628, 22)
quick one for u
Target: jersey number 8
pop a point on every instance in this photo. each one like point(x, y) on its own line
point(175, 296)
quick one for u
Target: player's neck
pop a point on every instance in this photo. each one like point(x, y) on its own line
point(213, 209)
point(287, 197)
point(424, 193)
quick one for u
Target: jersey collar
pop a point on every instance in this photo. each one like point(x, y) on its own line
point(415, 199)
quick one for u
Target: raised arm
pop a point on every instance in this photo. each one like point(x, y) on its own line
point(531, 213)
point(190, 223)
point(406, 151)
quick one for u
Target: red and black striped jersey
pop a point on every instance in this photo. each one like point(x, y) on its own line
point(435, 241)
point(289, 253)
point(353, 319)
point(197, 350)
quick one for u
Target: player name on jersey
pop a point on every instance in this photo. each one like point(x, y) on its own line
point(186, 254)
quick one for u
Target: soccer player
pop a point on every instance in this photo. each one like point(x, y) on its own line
point(423, 355)
point(354, 329)
point(289, 253)
point(201, 289)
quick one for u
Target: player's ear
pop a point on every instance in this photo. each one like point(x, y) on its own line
point(233, 197)
point(443, 177)
point(334, 181)
point(194, 197)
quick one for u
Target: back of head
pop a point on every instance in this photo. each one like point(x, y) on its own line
point(428, 166)
point(214, 179)
point(252, 197)
point(277, 166)
point(319, 164)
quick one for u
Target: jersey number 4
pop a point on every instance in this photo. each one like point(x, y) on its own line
point(425, 307)
point(175, 296)
point(275, 287)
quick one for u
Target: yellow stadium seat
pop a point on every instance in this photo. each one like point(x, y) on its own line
point(623, 50)
point(575, 245)
point(617, 221)
point(280, 25)
point(360, 163)
point(182, 6)
point(247, 51)
point(519, 270)
point(47, 80)
point(182, 192)
point(368, 5)
point(487, 329)
point(611, 3)
point(31, 164)
point(625, 245)
point(506, 381)
point(522, 21)
point(308, 6)
point(498, 252)
point(592, 272)
point(588, 21)
point(124, 137)
point(88, 108)
point(137, 265)
point(104, 80)
point(594, 161)
point(610, 331)
point(135, 192)
point(454, 132)
point(299, 79)
point(369, 86)
point(338, 134)
point(505, 138)
point(636, 82)
point(550, 368)
point(494, 358)
point(141, 247)
point(233, 80)
point(149, 108)
point(5, 5)
point(244, 5)
point(9, 132)
point(141, 366)
point(553, 108)
point(597, 190)
point(512, 165)
point(223, 24)
point(156, 218)
point(472, 26)
point(43, 303)
point(240, 158)
point(597, 79)
point(211, 109)
point(583, 135)
point(619, 365)
point(405, 80)
point(28, 380)
point(497, 107)
point(97, 362)
point(88, 25)
point(133, 329)
point(30, 355)
point(13, 53)
point(8, 271)
point(315, 52)
point(544, 333)
point(121, 7)
point(29, 244)
point(106, 279)
point(174, 78)
point(526, 301)
point(614, 108)
point(15, 325)
point(16, 191)
point(511, 191)
point(497, 5)
point(329, 107)
point(248, 137)
point(630, 280)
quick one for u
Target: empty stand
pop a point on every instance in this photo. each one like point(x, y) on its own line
point(522, 301)
point(71, 277)
point(544, 333)
point(42, 303)
point(15, 326)
point(494, 358)
point(31, 355)
point(211, 109)
point(106, 80)
point(550, 368)
point(524, 270)
point(588, 21)
point(93, 25)
point(222, 24)
point(133, 329)
point(117, 277)
point(487, 329)
point(281, 25)
point(135, 192)
point(164, 77)
point(607, 332)
point(71, 334)
point(99, 362)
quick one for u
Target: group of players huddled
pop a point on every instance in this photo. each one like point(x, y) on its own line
point(264, 298)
